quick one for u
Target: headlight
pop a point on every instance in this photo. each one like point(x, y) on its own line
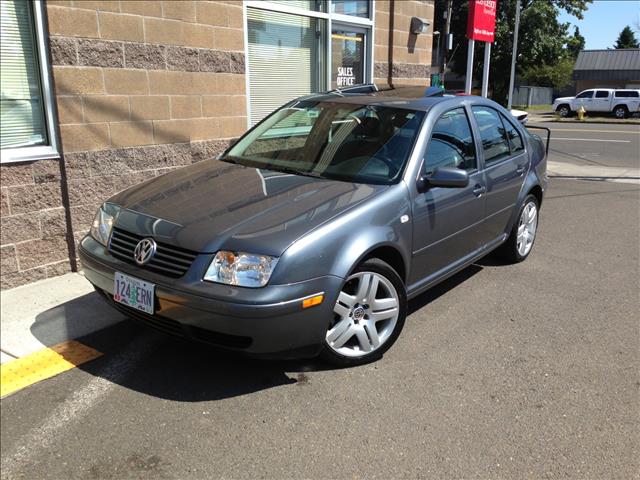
point(242, 269)
point(103, 222)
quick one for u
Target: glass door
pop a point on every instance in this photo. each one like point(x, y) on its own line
point(348, 56)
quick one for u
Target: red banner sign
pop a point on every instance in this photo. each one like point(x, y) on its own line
point(481, 23)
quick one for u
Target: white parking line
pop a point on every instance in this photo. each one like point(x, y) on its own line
point(590, 140)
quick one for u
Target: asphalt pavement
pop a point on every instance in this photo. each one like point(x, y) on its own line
point(519, 371)
point(610, 145)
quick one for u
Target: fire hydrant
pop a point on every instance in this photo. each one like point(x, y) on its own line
point(581, 113)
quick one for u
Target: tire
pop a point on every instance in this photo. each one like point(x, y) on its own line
point(620, 112)
point(350, 340)
point(512, 250)
point(564, 110)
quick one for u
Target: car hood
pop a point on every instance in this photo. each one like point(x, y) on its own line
point(214, 205)
point(563, 99)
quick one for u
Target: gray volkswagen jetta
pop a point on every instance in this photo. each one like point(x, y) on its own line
point(311, 232)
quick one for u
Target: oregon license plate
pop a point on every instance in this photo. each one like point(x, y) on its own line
point(134, 292)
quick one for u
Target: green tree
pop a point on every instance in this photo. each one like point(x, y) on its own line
point(543, 41)
point(627, 39)
point(558, 76)
point(575, 44)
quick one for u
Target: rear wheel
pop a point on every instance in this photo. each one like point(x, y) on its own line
point(620, 111)
point(520, 241)
point(368, 315)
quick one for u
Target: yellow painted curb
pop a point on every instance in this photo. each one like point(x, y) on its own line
point(46, 363)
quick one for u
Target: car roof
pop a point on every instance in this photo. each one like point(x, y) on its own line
point(409, 97)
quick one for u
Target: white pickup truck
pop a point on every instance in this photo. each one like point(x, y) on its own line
point(620, 102)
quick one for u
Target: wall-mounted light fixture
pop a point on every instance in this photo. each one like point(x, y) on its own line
point(419, 25)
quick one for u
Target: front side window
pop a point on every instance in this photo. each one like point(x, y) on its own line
point(451, 143)
point(495, 142)
point(23, 121)
point(602, 94)
point(349, 142)
point(587, 94)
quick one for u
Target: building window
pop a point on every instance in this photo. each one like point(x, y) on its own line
point(347, 57)
point(285, 58)
point(26, 115)
point(357, 8)
point(298, 47)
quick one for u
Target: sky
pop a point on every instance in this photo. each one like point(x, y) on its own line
point(604, 20)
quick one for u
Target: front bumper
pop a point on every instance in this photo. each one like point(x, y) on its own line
point(261, 321)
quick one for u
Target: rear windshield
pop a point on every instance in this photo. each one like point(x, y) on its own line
point(627, 94)
point(348, 142)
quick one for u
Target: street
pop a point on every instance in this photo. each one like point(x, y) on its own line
point(609, 145)
point(519, 371)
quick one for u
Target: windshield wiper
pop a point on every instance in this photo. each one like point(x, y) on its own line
point(296, 172)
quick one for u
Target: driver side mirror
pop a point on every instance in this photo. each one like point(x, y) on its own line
point(445, 177)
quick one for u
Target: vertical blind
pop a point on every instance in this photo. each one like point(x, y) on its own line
point(285, 59)
point(21, 105)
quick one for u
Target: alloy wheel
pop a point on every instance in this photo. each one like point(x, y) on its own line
point(527, 226)
point(366, 314)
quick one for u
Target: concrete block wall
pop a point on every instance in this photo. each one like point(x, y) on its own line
point(141, 88)
point(400, 56)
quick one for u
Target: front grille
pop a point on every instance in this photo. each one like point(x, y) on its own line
point(158, 322)
point(217, 338)
point(172, 327)
point(168, 260)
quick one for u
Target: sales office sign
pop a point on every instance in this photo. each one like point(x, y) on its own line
point(481, 23)
point(346, 77)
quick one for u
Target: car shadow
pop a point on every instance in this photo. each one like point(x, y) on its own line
point(144, 360)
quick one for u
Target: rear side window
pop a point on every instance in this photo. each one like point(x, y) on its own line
point(495, 142)
point(515, 140)
point(602, 94)
point(588, 94)
point(451, 143)
point(627, 94)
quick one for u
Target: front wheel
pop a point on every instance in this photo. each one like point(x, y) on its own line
point(520, 241)
point(564, 111)
point(369, 315)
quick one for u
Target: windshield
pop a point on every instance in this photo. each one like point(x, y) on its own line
point(348, 142)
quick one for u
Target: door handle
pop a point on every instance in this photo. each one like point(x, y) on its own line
point(479, 190)
point(521, 169)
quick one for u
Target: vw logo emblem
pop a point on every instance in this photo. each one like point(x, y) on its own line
point(358, 313)
point(144, 251)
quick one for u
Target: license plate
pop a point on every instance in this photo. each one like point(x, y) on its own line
point(133, 292)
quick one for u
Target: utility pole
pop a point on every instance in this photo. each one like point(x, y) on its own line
point(485, 69)
point(469, 78)
point(514, 55)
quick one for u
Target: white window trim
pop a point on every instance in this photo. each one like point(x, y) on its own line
point(39, 152)
point(346, 20)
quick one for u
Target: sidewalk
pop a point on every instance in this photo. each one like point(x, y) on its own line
point(49, 312)
point(593, 172)
point(546, 117)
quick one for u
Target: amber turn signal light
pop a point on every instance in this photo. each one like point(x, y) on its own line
point(312, 301)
